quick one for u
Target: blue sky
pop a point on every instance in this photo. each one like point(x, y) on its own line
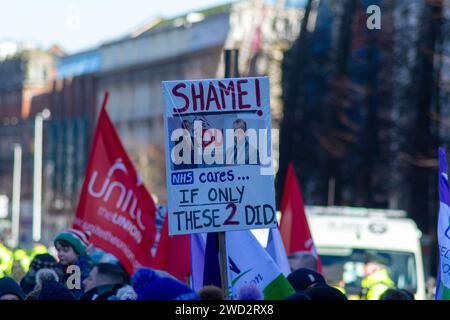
point(81, 24)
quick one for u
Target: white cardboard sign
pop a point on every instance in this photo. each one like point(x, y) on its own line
point(218, 155)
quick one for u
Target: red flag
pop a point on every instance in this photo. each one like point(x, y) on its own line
point(115, 207)
point(294, 227)
point(174, 253)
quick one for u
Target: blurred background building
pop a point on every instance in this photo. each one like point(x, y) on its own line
point(25, 72)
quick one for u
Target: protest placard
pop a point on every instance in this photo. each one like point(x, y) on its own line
point(218, 155)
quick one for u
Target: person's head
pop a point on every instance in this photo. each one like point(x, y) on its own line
point(211, 293)
point(375, 262)
point(67, 255)
point(52, 290)
point(396, 294)
point(104, 274)
point(42, 261)
point(10, 289)
point(302, 279)
point(240, 127)
point(42, 276)
point(302, 259)
point(372, 266)
point(324, 292)
point(70, 244)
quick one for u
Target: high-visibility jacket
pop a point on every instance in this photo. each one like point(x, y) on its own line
point(376, 284)
point(6, 260)
point(341, 289)
point(22, 257)
point(38, 249)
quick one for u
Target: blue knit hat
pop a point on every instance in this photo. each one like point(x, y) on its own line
point(149, 285)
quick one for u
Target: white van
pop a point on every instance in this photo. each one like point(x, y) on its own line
point(345, 237)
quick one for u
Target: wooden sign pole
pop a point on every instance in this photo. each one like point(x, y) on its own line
point(223, 257)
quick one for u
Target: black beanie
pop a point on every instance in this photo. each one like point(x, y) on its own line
point(9, 286)
point(302, 278)
point(324, 292)
point(43, 261)
point(52, 290)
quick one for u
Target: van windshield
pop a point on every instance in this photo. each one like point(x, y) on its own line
point(347, 268)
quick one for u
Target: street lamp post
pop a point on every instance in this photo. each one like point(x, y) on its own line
point(37, 179)
point(15, 216)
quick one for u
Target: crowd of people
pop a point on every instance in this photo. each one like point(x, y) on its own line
point(103, 278)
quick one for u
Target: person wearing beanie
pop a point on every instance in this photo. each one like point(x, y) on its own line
point(303, 278)
point(10, 289)
point(40, 261)
point(52, 290)
point(250, 292)
point(149, 285)
point(77, 240)
point(324, 292)
point(71, 246)
point(211, 293)
point(43, 275)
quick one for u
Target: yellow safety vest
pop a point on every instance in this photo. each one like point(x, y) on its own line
point(5, 260)
point(22, 257)
point(376, 284)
